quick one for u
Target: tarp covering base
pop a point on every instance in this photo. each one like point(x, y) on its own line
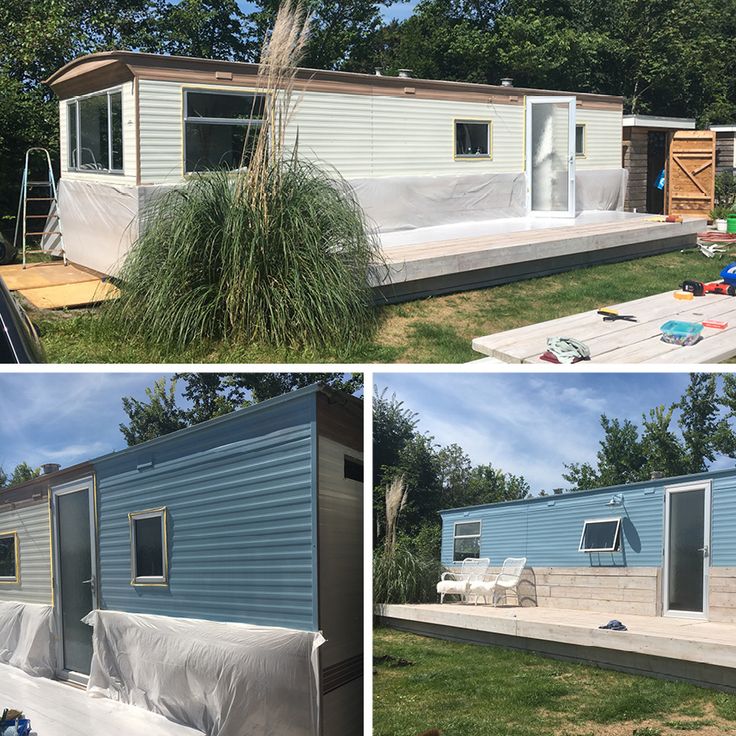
point(601, 190)
point(221, 678)
point(27, 638)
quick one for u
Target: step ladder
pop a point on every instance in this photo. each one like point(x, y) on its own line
point(38, 224)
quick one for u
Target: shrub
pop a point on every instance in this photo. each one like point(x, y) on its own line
point(401, 576)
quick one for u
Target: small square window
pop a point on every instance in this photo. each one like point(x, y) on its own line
point(580, 140)
point(601, 535)
point(9, 557)
point(472, 139)
point(149, 554)
point(353, 469)
point(466, 540)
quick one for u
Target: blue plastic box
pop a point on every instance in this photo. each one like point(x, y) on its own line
point(681, 333)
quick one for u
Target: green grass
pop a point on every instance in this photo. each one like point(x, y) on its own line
point(435, 330)
point(469, 690)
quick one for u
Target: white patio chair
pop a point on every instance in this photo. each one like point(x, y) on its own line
point(506, 580)
point(456, 583)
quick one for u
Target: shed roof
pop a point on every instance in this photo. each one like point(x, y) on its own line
point(108, 68)
point(658, 121)
point(41, 484)
point(672, 480)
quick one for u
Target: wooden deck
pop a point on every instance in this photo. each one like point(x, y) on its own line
point(58, 709)
point(53, 285)
point(625, 342)
point(434, 266)
point(673, 648)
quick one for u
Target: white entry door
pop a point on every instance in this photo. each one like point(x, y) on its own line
point(687, 550)
point(550, 156)
point(75, 574)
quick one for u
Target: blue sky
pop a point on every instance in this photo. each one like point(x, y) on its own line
point(64, 417)
point(399, 11)
point(530, 424)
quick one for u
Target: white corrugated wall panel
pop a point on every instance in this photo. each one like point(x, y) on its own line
point(32, 526)
point(603, 138)
point(129, 144)
point(161, 131)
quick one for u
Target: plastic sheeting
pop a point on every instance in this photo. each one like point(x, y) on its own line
point(27, 638)
point(221, 678)
point(408, 202)
point(602, 190)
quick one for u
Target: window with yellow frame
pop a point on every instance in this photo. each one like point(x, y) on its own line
point(149, 555)
point(580, 140)
point(473, 140)
point(9, 558)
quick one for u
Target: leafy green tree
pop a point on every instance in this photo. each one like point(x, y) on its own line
point(153, 418)
point(23, 472)
point(663, 450)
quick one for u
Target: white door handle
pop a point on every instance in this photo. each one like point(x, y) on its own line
point(704, 550)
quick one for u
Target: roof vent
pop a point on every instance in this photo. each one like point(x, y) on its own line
point(507, 82)
point(405, 73)
point(657, 475)
point(49, 468)
point(379, 71)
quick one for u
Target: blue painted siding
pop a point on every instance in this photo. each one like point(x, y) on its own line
point(547, 530)
point(240, 496)
point(723, 522)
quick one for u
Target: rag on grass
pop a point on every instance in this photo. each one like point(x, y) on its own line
point(614, 625)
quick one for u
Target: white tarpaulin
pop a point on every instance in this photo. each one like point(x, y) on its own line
point(221, 678)
point(27, 637)
point(602, 190)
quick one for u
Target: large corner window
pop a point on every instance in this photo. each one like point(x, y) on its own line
point(580, 140)
point(149, 553)
point(95, 133)
point(220, 129)
point(466, 540)
point(472, 139)
point(601, 535)
point(8, 557)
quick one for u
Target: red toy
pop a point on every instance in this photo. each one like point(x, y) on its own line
point(698, 288)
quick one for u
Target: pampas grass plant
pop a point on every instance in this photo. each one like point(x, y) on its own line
point(277, 252)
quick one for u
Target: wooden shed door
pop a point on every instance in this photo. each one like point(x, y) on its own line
point(691, 173)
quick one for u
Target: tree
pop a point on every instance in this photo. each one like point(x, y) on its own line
point(663, 450)
point(214, 394)
point(154, 418)
point(21, 473)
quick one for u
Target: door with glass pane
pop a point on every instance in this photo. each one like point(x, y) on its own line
point(550, 156)
point(74, 576)
point(687, 550)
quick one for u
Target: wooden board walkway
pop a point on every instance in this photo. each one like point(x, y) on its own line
point(56, 286)
point(625, 342)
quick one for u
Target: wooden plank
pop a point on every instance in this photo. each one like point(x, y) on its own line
point(47, 274)
point(71, 295)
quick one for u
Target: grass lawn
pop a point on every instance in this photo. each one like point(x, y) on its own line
point(468, 690)
point(434, 330)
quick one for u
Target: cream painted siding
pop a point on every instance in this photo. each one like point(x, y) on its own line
point(603, 138)
point(128, 177)
point(31, 522)
point(161, 131)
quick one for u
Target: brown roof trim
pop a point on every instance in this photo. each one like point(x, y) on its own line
point(118, 64)
point(43, 483)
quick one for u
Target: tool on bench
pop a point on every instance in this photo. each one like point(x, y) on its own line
point(611, 315)
point(698, 288)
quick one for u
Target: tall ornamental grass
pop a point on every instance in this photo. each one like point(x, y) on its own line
point(401, 576)
point(276, 252)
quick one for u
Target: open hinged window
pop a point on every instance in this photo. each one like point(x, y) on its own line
point(9, 568)
point(601, 535)
point(149, 547)
point(466, 540)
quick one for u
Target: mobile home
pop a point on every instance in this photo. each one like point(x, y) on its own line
point(664, 547)
point(186, 564)
point(420, 154)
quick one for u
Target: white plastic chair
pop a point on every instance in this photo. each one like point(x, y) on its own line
point(507, 579)
point(457, 583)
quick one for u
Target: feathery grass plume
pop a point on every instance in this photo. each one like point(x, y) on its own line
point(401, 576)
point(276, 252)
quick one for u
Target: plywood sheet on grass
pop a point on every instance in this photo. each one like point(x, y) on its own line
point(37, 275)
point(70, 295)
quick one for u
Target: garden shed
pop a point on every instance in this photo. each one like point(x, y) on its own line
point(418, 152)
point(214, 575)
point(725, 149)
point(664, 547)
